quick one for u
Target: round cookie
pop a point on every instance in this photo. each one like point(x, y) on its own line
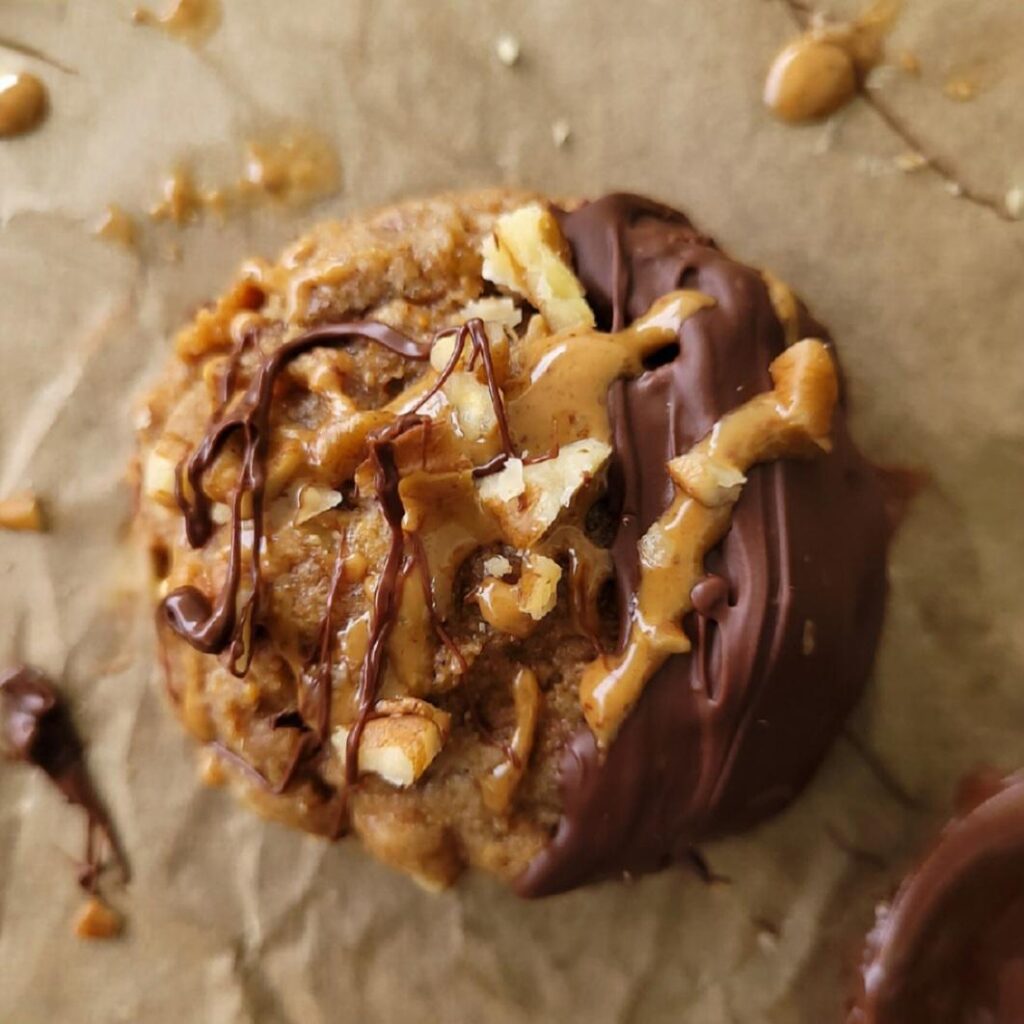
point(511, 535)
point(949, 949)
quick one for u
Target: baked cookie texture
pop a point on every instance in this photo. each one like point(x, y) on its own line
point(509, 534)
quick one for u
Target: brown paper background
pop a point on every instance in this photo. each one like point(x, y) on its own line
point(234, 920)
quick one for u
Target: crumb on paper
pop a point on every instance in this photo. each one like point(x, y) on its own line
point(961, 88)
point(97, 920)
point(910, 162)
point(23, 512)
point(118, 226)
point(1015, 202)
point(880, 76)
point(909, 62)
point(560, 132)
point(507, 50)
point(955, 189)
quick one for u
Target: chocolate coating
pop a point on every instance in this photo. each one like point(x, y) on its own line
point(37, 729)
point(730, 733)
point(950, 948)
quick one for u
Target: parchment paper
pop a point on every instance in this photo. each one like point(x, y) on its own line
point(231, 919)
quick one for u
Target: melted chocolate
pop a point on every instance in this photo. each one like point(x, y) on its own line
point(950, 947)
point(37, 729)
point(729, 733)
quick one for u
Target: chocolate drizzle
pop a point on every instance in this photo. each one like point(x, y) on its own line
point(950, 947)
point(221, 625)
point(729, 733)
point(213, 628)
point(37, 729)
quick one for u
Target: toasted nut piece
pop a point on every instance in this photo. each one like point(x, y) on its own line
point(474, 410)
point(97, 920)
point(527, 499)
point(498, 565)
point(494, 310)
point(312, 501)
point(527, 255)
point(516, 608)
point(401, 742)
point(23, 512)
point(158, 478)
point(498, 786)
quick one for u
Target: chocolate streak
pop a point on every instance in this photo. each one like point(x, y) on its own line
point(38, 730)
point(950, 948)
point(729, 733)
point(212, 628)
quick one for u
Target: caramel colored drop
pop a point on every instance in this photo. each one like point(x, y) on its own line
point(117, 226)
point(98, 920)
point(809, 79)
point(180, 200)
point(191, 20)
point(23, 104)
point(295, 169)
point(961, 88)
point(22, 512)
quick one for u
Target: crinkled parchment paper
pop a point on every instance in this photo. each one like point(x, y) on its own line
point(231, 919)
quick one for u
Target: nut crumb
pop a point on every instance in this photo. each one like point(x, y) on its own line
point(23, 512)
point(955, 189)
point(910, 162)
point(97, 920)
point(560, 132)
point(1015, 202)
point(960, 88)
point(507, 50)
point(909, 62)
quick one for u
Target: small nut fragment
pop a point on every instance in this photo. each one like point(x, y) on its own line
point(527, 499)
point(493, 310)
point(97, 920)
point(313, 500)
point(497, 565)
point(158, 476)
point(22, 512)
point(516, 608)
point(1015, 202)
point(507, 50)
point(471, 402)
point(527, 254)
point(401, 741)
point(560, 132)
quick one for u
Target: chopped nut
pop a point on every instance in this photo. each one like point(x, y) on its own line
point(507, 50)
point(22, 512)
point(505, 485)
point(497, 565)
point(401, 741)
point(97, 920)
point(538, 585)
point(560, 132)
point(527, 254)
point(526, 506)
point(494, 310)
point(474, 410)
point(314, 500)
point(158, 476)
point(910, 162)
point(516, 608)
point(1015, 202)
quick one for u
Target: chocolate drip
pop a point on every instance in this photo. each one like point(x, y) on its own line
point(37, 729)
point(729, 733)
point(950, 948)
point(220, 625)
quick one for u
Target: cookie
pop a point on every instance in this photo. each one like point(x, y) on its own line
point(511, 534)
point(950, 945)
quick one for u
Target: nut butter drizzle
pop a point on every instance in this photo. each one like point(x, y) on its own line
point(37, 729)
point(214, 628)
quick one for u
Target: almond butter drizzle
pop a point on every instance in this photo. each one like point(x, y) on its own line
point(793, 419)
point(815, 75)
point(499, 784)
point(193, 21)
point(23, 104)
